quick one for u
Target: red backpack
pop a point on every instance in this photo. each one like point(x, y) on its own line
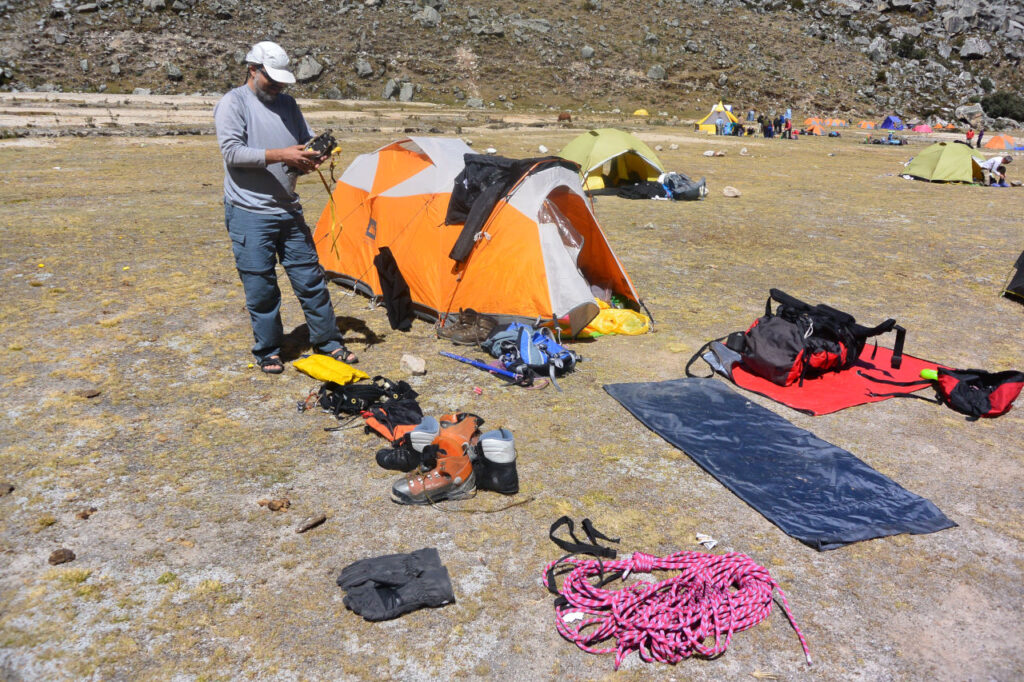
point(973, 392)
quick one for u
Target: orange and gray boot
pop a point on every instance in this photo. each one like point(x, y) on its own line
point(452, 478)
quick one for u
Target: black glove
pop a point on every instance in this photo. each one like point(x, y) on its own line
point(382, 602)
point(393, 569)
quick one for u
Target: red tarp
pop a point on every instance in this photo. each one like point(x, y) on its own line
point(836, 391)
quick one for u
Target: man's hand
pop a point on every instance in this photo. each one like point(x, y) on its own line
point(297, 157)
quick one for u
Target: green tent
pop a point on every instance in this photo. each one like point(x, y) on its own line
point(609, 157)
point(945, 162)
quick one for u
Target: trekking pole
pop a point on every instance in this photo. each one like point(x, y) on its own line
point(519, 379)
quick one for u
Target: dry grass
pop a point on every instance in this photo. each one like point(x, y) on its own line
point(118, 277)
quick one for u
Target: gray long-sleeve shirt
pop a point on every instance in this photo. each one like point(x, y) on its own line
point(246, 129)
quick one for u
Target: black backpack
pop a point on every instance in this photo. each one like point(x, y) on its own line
point(799, 341)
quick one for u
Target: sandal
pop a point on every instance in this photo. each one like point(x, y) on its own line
point(343, 354)
point(271, 364)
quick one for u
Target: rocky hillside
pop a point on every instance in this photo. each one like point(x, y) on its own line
point(919, 58)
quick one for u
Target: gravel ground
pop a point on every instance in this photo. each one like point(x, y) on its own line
point(127, 388)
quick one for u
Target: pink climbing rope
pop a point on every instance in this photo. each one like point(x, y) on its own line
point(694, 612)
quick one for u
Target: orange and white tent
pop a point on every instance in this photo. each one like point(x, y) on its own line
point(814, 130)
point(814, 120)
point(869, 125)
point(1001, 141)
point(538, 254)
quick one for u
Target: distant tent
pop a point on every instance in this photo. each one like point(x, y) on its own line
point(923, 128)
point(609, 157)
point(1014, 288)
point(945, 162)
point(719, 112)
point(892, 123)
point(641, 112)
point(950, 126)
point(814, 130)
point(1001, 141)
point(869, 125)
point(814, 120)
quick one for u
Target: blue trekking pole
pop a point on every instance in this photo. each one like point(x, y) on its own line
point(519, 379)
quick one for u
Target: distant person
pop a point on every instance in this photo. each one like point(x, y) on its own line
point(787, 130)
point(981, 134)
point(994, 169)
point(262, 134)
point(970, 137)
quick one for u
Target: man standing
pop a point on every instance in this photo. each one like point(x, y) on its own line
point(262, 133)
point(981, 134)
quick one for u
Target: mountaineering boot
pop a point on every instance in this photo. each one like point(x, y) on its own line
point(424, 434)
point(452, 478)
point(406, 456)
point(402, 458)
point(495, 469)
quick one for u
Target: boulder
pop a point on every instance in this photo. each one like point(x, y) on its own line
point(363, 68)
point(975, 48)
point(475, 103)
point(307, 69)
point(390, 89)
point(953, 23)
point(405, 92)
point(878, 50)
point(972, 112)
point(587, 52)
point(429, 17)
point(173, 72)
point(656, 72)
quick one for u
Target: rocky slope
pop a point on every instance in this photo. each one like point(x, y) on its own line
point(848, 57)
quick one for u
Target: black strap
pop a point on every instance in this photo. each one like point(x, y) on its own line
point(700, 353)
point(924, 383)
point(937, 401)
point(897, 351)
point(576, 547)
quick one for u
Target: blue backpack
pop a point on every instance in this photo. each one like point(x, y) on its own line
point(535, 352)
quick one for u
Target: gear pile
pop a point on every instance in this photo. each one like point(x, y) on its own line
point(449, 459)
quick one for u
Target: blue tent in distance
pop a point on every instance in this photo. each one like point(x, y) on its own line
point(892, 123)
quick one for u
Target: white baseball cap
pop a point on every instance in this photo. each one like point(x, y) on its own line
point(271, 57)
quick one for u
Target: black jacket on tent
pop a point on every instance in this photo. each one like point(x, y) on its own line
point(479, 187)
point(814, 491)
point(1015, 289)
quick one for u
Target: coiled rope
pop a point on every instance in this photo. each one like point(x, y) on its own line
point(692, 613)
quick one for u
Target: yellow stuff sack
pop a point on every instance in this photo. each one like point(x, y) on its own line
point(616, 321)
point(325, 368)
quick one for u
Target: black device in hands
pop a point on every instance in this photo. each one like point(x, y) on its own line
point(323, 144)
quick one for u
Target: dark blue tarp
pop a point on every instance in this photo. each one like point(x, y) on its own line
point(814, 491)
